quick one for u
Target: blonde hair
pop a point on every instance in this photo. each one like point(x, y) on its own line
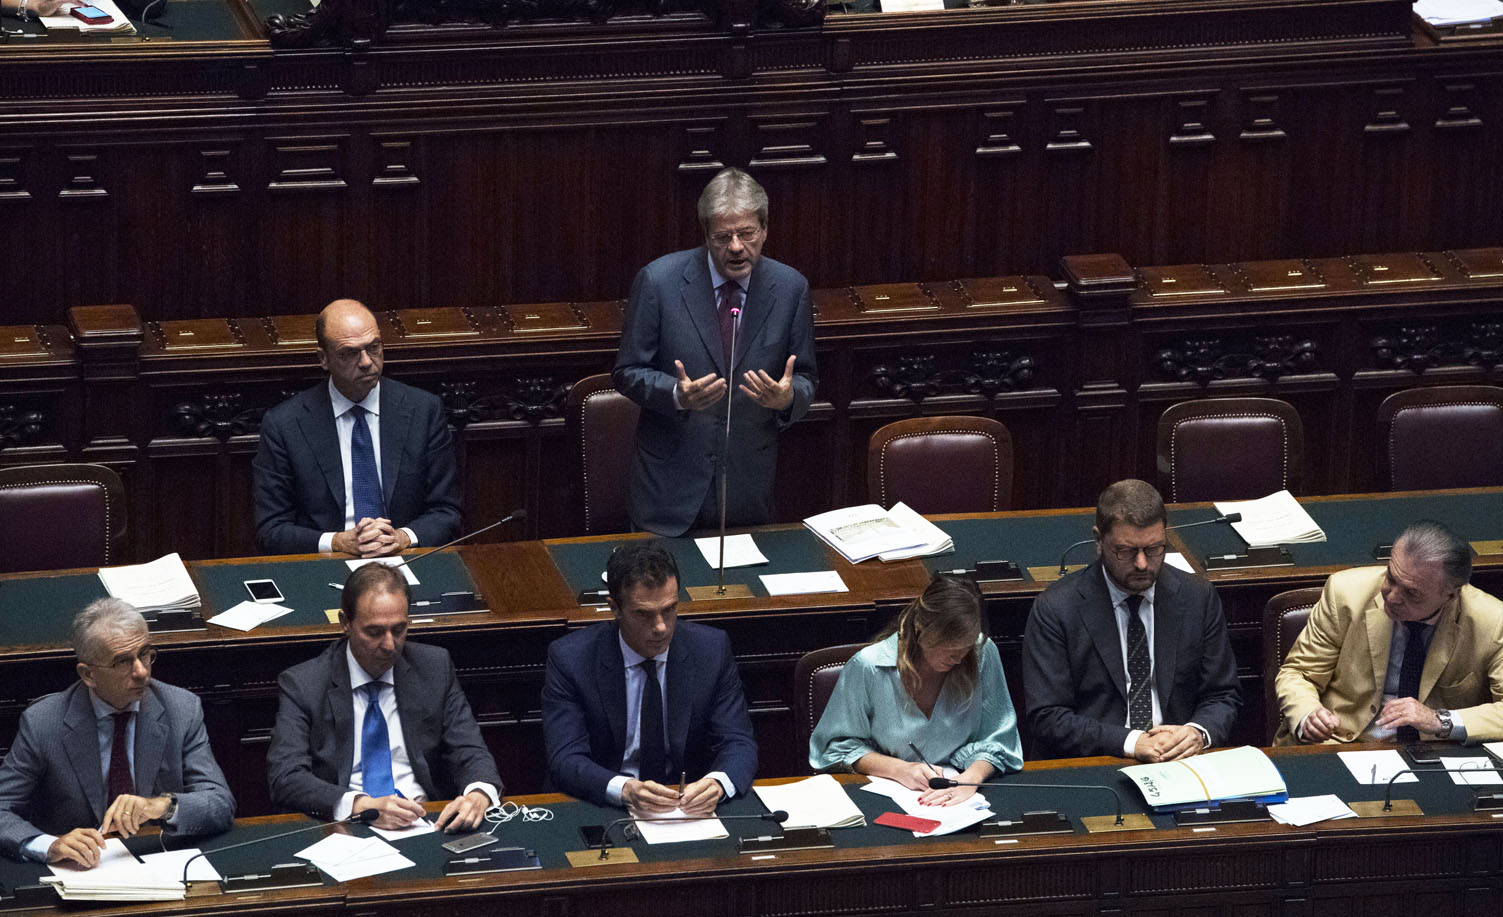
point(948, 613)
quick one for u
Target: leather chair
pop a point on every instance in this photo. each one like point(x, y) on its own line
point(1284, 616)
point(955, 464)
point(1442, 436)
point(814, 678)
point(61, 516)
point(602, 425)
point(1229, 449)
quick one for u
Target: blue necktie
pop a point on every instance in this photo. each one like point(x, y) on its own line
point(375, 746)
point(365, 483)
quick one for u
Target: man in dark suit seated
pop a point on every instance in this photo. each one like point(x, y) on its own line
point(1128, 657)
point(116, 750)
point(375, 722)
point(357, 464)
point(633, 705)
point(674, 361)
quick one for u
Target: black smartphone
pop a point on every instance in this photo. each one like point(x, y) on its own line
point(1421, 755)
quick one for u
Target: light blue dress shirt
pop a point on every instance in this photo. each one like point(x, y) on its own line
point(870, 711)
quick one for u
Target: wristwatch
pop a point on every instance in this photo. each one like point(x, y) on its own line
point(1446, 725)
point(171, 808)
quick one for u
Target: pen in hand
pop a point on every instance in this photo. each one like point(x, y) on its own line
point(920, 756)
point(683, 776)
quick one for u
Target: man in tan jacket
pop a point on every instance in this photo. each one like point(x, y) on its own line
point(1398, 654)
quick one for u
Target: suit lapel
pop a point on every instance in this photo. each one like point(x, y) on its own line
point(1101, 624)
point(676, 687)
point(1442, 645)
point(342, 711)
point(610, 681)
point(1166, 631)
point(761, 293)
point(396, 419)
point(81, 740)
point(699, 302)
point(407, 690)
point(1379, 638)
point(317, 424)
point(151, 738)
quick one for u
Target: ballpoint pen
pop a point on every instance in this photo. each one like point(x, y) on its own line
point(682, 777)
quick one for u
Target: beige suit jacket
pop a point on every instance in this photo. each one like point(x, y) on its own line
point(1340, 660)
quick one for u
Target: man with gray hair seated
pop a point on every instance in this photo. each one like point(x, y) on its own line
point(111, 753)
point(1400, 653)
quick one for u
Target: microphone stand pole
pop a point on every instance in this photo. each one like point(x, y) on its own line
point(720, 590)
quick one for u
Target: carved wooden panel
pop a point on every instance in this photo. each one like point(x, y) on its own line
point(308, 164)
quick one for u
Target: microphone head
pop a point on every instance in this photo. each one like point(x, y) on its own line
point(940, 783)
point(518, 514)
point(1232, 517)
point(365, 817)
point(780, 816)
point(735, 311)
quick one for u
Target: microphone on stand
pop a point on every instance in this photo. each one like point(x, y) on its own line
point(941, 783)
point(514, 514)
point(778, 816)
point(1229, 517)
point(725, 449)
point(358, 818)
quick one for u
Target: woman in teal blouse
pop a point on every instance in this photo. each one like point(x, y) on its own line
point(933, 680)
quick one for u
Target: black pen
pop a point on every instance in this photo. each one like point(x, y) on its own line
point(683, 777)
point(922, 761)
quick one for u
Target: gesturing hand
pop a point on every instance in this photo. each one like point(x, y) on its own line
point(698, 394)
point(770, 393)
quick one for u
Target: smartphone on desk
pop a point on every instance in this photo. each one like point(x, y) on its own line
point(1421, 755)
point(263, 591)
point(93, 15)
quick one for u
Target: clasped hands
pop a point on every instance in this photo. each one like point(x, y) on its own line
point(649, 796)
point(1168, 743)
point(125, 816)
point(707, 390)
point(398, 812)
point(371, 538)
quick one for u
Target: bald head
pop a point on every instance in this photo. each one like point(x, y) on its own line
point(349, 347)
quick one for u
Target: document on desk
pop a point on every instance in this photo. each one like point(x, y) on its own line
point(1475, 770)
point(740, 551)
point(1376, 768)
point(951, 818)
point(417, 829)
point(168, 866)
point(406, 569)
point(1236, 773)
point(677, 826)
point(1457, 12)
point(1272, 520)
point(803, 583)
point(346, 858)
point(161, 585)
point(818, 802)
point(119, 876)
point(935, 541)
point(249, 615)
point(863, 532)
point(1307, 810)
point(1178, 561)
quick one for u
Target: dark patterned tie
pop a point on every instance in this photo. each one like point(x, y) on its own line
point(1410, 671)
point(654, 763)
point(730, 298)
point(1139, 669)
point(121, 781)
point(365, 483)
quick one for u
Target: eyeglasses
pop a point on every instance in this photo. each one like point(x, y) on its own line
point(352, 354)
point(1127, 555)
point(146, 656)
point(747, 236)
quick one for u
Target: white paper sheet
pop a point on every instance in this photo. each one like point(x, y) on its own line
point(406, 569)
point(740, 551)
point(1178, 561)
point(113, 860)
point(951, 818)
point(803, 583)
point(169, 866)
point(345, 858)
point(817, 802)
point(1307, 810)
point(417, 829)
point(249, 615)
point(673, 832)
point(1463, 773)
point(1457, 12)
point(1376, 768)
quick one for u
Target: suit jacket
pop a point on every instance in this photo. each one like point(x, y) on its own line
point(312, 745)
point(299, 484)
point(672, 315)
point(1074, 682)
point(51, 781)
point(1340, 660)
point(584, 709)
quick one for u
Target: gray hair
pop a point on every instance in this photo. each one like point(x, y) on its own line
point(731, 191)
point(102, 617)
point(1430, 542)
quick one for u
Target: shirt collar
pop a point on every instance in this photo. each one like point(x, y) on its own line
point(630, 657)
point(342, 405)
point(1119, 594)
point(717, 279)
point(359, 677)
point(102, 710)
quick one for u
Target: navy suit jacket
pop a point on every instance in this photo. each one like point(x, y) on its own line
point(1074, 682)
point(312, 746)
point(584, 709)
point(51, 781)
point(672, 315)
point(299, 484)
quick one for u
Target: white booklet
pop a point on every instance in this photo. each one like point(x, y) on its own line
point(1272, 520)
point(818, 802)
point(1235, 773)
point(156, 586)
point(863, 532)
point(935, 539)
point(678, 826)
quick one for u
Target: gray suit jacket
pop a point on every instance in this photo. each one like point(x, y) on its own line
point(1074, 682)
point(672, 315)
point(299, 483)
point(51, 780)
point(312, 746)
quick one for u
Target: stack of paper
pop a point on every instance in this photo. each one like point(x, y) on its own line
point(1236, 773)
point(66, 21)
point(678, 826)
point(1274, 519)
point(162, 585)
point(1457, 12)
point(248, 615)
point(818, 802)
point(951, 818)
point(346, 858)
point(863, 532)
point(1307, 810)
point(935, 539)
point(118, 877)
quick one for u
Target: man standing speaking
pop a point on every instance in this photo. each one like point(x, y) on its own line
point(675, 361)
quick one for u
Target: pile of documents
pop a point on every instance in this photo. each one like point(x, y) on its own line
point(1221, 776)
point(950, 818)
point(345, 857)
point(64, 20)
point(863, 532)
point(1272, 520)
point(120, 876)
point(677, 826)
point(162, 585)
point(818, 802)
point(1307, 810)
point(1457, 12)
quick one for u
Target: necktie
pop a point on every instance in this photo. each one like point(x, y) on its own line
point(730, 298)
point(375, 746)
point(1410, 670)
point(365, 484)
point(653, 759)
point(1139, 669)
point(121, 782)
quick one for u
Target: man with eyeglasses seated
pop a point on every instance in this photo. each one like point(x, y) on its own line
point(357, 464)
point(111, 753)
point(1400, 653)
point(1128, 656)
point(674, 360)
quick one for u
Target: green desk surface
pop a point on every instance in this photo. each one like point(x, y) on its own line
point(1354, 527)
point(794, 550)
point(39, 610)
point(1028, 541)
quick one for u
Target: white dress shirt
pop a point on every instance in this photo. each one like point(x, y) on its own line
point(1145, 614)
point(344, 428)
